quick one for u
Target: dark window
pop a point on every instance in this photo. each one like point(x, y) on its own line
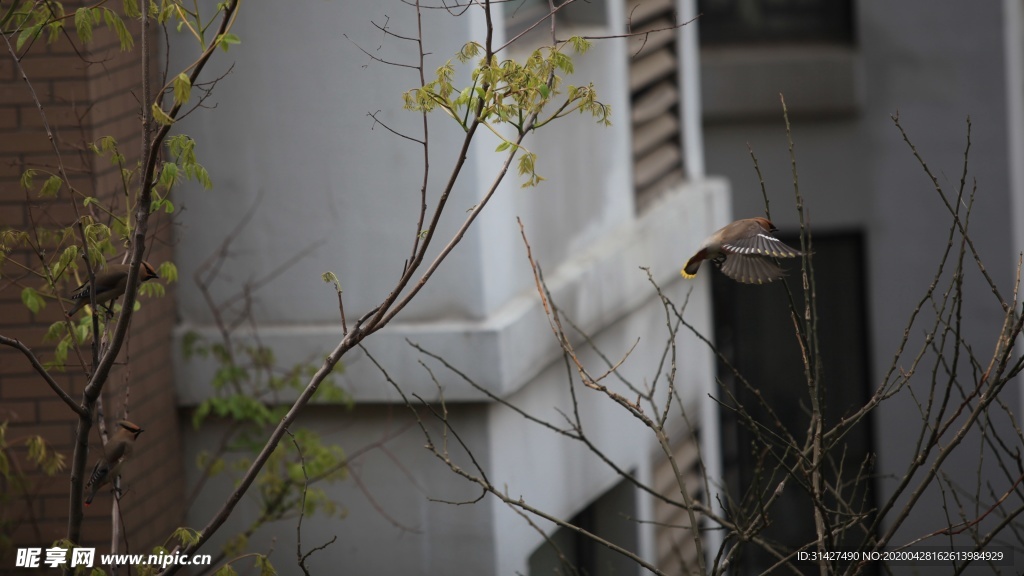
point(569, 553)
point(754, 329)
point(775, 21)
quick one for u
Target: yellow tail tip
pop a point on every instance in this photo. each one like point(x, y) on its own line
point(686, 275)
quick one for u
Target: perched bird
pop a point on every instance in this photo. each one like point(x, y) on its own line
point(110, 284)
point(746, 251)
point(116, 451)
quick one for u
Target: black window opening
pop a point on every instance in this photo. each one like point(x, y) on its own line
point(568, 553)
point(754, 330)
point(775, 21)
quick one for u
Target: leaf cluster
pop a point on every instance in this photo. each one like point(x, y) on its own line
point(510, 93)
point(102, 229)
point(248, 385)
point(18, 482)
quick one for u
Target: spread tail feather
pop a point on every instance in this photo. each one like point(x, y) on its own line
point(693, 264)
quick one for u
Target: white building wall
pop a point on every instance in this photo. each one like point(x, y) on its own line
point(333, 192)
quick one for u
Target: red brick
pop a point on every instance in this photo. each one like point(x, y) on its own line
point(56, 505)
point(11, 216)
point(10, 168)
point(106, 46)
point(33, 390)
point(6, 69)
point(82, 101)
point(8, 118)
point(59, 116)
point(118, 121)
point(53, 409)
point(25, 142)
point(14, 313)
point(47, 161)
point(57, 214)
point(19, 411)
point(60, 435)
point(15, 93)
point(63, 45)
point(56, 67)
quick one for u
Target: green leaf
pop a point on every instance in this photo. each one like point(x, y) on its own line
point(168, 175)
point(26, 178)
point(182, 88)
point(83, 24)
point(51, 187)
point(579, 44)
point(160, 116)
point(503, 146)
point(83, 330)
point(115, 23)
point(190, 343)
point(60, 353)
point(224, 41)
point(187, 536)
point(200, 414)
point(162, 204)
point(32, 300)
point(7, 15)
point(264, 565)
point(67, 257)
point(168, 271)
point(131, 8)
point(203, 177)
point(55, 332)
point(27, 33)
point(152, 289)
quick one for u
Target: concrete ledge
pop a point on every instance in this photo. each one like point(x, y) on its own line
point(506, 350)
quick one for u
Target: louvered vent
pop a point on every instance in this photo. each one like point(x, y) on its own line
point(674, 543)
point(654, 95)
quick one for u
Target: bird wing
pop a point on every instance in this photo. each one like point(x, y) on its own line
point(115, 449)
point(762, 244)
point(107, 280)
point(80, 292)
point(99, 472)
point(751, 269)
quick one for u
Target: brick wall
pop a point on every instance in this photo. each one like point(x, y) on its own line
point(86, 93)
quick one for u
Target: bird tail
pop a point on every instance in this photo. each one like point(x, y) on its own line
point(79, 304)
point(693, 264)
point(99, 472)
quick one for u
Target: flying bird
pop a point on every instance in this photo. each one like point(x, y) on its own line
point(745, 250)
point(116, 451)
point(110, 284)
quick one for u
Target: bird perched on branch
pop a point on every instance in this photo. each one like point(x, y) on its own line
point(116, 451)
point(110, 284)
point(745, 250)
